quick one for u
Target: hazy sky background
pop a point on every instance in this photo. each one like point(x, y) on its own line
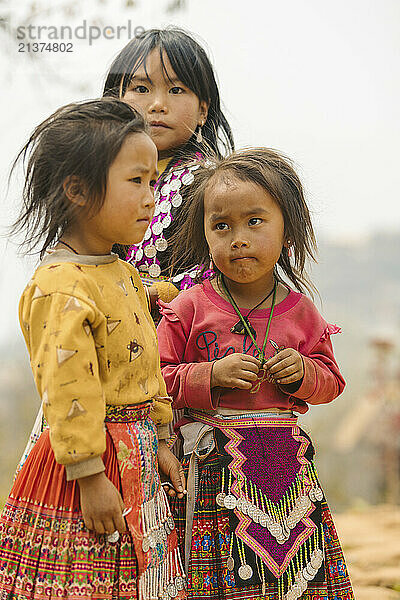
point(316, 80)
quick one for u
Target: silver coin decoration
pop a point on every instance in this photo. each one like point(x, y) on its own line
point(150, 251)
point(163, 535)
point(165, 190)
point(147, 234)
point(179, 583)
point(306, 575)
point(139, 254)
point(220, 499)
point(166, 222)
point(152, 541)
point(113, 537)
point(171, 523)
point(157, 228)
point(176, 200)
point(239, 504)
point(145, 544)
point(230, 502)
point(188, 178)
point(245, 572)
point(157, 196)
point(174, 185)
point(230, 563)
point(164, 206)
point(154, 270)
point(167, 528)
point(161, 244)
point(281, 540)
point(172, 591)
point(157, 210)
point(319, 494)
point(252, 511)
point(245, 507)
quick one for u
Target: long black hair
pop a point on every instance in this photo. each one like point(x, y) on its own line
point(192, 66)
point(80, 140)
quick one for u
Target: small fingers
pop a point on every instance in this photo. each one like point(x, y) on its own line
point(119, 523)
point(241, 384)
point(283, 354)
point(292, 370)
point(251, 362)
point(89, 523)
point(108, 525)
point(248, 375)
point(99, 527)
point(290, 379)
point(283, 364)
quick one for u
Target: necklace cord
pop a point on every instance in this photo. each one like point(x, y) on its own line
point(261, 351)
point(68, 246)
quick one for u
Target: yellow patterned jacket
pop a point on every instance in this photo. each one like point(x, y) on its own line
point(92, 342)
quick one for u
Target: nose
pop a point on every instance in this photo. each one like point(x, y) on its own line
point(238, 243)
point(158, 103)
point(148, 199)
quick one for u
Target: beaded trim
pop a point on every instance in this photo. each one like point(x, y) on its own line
point(127, 413)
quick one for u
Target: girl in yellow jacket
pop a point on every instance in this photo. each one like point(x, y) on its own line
point(87, 516)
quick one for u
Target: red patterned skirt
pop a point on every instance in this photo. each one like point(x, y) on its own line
point(46, 551)
point(231, 555)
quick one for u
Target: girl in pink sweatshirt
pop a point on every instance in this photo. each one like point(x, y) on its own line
point(241, 353)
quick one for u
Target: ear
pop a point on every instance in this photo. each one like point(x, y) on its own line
point(75, 190)
point(203, 112)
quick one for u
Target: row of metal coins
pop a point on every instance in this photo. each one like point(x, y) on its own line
point(173, 588)
point(280, 531)
point(305, 575)
point(159, 535)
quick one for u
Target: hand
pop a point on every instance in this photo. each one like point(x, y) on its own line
point(171, 468)
point(285, 367)
point(101, 504)
point(235, 371)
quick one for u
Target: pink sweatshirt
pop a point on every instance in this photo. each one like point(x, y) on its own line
point(196, 330)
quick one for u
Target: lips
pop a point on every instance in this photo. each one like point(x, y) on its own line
point(242, 258)
point(159, 124)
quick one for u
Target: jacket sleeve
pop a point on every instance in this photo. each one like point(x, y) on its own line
point(189, 383)
point(322, 381)
point(161, 412)
point(58, 329)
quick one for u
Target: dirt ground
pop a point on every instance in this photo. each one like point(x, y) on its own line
point(371, 542)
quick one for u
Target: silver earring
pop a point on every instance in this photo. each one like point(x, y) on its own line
point(211, 265)
point(199, 137)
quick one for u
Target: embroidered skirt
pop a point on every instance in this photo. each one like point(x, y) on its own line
point(47, 552)
point(261, 527)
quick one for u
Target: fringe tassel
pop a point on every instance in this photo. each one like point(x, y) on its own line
point(280, 518)
point(164, 577)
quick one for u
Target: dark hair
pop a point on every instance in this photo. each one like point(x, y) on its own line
point(192, 66)
point(80, 140)
point(275, 174)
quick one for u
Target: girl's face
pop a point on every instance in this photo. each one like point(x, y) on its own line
point(244, 229)
point(129, 201)
point(172, 110)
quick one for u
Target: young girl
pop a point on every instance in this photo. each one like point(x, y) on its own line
point(241, 353)
point(167, 74)
point(87, 517)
